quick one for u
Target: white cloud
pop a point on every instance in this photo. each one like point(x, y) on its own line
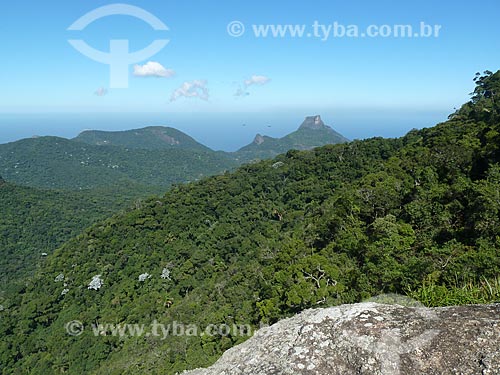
point(254, 80)
point(153, 69)
point(257, 80)
point(192, 89)
point(101, 91)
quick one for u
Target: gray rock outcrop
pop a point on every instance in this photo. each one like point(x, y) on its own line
point(372, 339)
point(313, 122)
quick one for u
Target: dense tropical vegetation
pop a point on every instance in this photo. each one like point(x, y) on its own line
point(108, 170)
point(33, 223)
point(418, 215)
point(59, 163)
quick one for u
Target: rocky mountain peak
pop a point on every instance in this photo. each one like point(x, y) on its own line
point(259, 139)
point(312, 122)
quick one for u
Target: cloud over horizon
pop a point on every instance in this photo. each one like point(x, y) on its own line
point(258, 80)
point(192, 89)
point(152, 69)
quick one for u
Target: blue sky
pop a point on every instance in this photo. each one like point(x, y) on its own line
point(41, 72)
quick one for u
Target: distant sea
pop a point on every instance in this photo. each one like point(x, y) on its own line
point(220, 131)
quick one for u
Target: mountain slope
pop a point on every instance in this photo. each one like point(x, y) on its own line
point(33, 223)
point(312, 133)
point(311, 228)
point(52, 162)
point(149, 138)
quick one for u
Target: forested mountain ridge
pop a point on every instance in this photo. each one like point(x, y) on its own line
point(149, 138)
point(417, 215)
point(312, 133)
point(59, 163)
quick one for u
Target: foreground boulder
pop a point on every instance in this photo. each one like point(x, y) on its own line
point(372, 338)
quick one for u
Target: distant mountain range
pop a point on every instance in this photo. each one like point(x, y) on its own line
point(312, 133)
point(151, 158)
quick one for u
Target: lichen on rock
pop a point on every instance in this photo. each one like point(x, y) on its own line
point(373, 339)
